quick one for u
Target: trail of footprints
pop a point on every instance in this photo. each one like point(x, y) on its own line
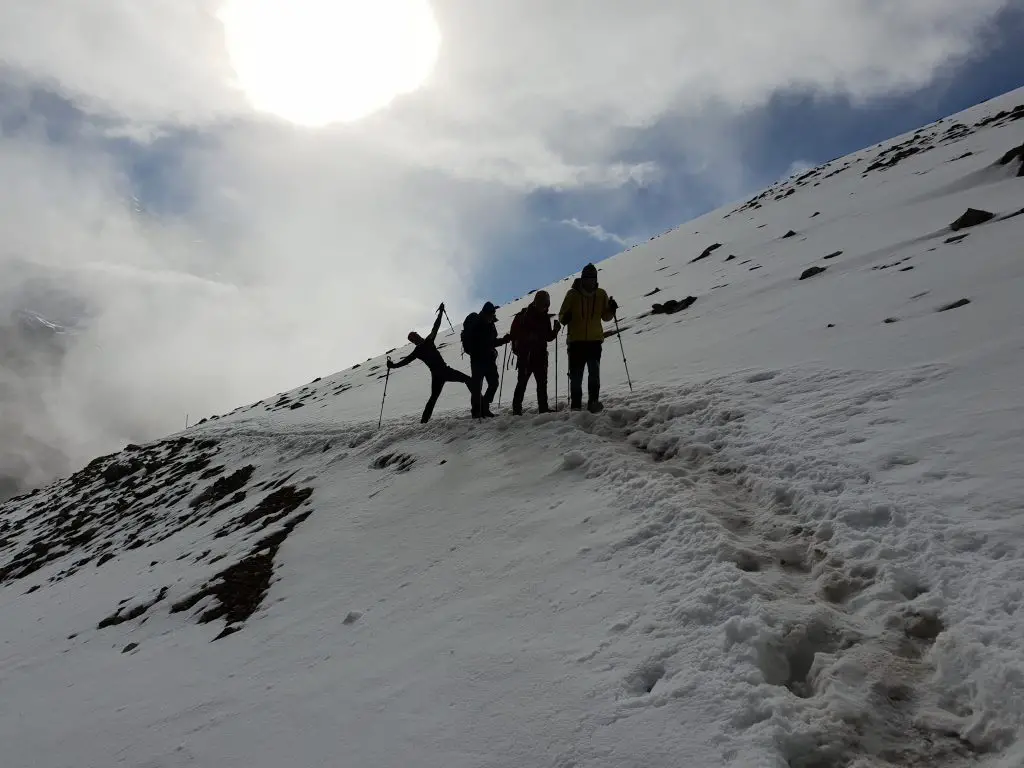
point(796, 568)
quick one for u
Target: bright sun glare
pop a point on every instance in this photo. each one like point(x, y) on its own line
point(316, 62)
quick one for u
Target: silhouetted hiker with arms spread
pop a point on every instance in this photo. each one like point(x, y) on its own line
point(531, 333)
point(440, 371)
point(583, 310)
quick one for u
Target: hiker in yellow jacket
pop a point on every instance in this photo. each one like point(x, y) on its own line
point(584, 310)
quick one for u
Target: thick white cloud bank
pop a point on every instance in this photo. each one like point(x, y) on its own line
point(300, 251)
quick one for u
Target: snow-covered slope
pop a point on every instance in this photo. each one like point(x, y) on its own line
point(797, 543)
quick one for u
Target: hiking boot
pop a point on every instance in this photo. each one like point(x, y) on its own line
point(595, 406)
point(575, 407)
point(517, 410)
point(486, 413)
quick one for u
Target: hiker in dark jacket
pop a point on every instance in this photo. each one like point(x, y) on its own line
point(481, 343)
point(440, 371)
point(584, 308)
point(531, 333)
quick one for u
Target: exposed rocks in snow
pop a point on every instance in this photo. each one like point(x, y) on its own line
point(972, 217)
point(815, 214)
point(133, 613)
point(672, 306)
point(707, 252)
point(223, 486)
point(833, 255)
point(656, 290)
point(811, 272)
point(789, 234)
point(238, 590)
point(730, 257)
point(400, 462)
point(955, 305)
point(957, 238)
point(1017, 153)
point(1003, 117)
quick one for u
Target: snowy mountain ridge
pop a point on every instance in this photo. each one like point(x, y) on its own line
point(796, 544)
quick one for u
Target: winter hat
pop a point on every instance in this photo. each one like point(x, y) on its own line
point(589, 271)
point(488, 309)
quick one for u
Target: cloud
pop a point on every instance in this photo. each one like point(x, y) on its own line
point(595, 231)
point(288, 253)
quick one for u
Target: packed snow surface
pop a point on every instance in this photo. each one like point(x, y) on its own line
point(797, 543)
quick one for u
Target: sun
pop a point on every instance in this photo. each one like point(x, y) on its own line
point(317, 62)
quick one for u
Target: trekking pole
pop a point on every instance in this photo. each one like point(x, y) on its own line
point(447, 318)
point(556, 372)
point(501, 386)
point(623, 350)
point(386, 377)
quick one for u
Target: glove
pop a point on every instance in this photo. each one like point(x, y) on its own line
point(613, 305)
point(557, 327)
point(440, 309)
point(505, 339)
point(390, 364)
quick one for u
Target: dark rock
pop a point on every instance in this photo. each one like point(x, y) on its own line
point(815, 214)
point(811, 272)
point(831, 325)
point(223, 486)
point(756, 266)
point(129, 648)
point(955, 305)
point(971, 218)
point(707, 252)
point(906, 269)
point(656, 290)
point(958, 238)
point(672, 306)
point(1014, 154)
point(730, 257)
point(833, 255)
point(791, 233)
point(891, 320)
point(293, 406)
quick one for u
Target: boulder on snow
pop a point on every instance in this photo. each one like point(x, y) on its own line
point(672, 306)
point(730, 257)
point(707, 252)
point(791, 233)
point(833, 255)
point(1017, 153)
point(811, 272)
point(954, 305)
point(656, 290)
point(972, 217)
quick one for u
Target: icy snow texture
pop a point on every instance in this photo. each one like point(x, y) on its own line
point(797, 544)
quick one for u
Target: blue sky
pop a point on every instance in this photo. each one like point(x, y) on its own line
point(792, 127)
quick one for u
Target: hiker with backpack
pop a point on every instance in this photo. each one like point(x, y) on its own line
point(584, 309)
point(480, 341)
point(531, 332)
point(440, 371)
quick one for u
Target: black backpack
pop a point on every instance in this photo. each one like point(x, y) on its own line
point(470, 334)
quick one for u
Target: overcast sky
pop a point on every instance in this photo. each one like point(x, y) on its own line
point(547, 134)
